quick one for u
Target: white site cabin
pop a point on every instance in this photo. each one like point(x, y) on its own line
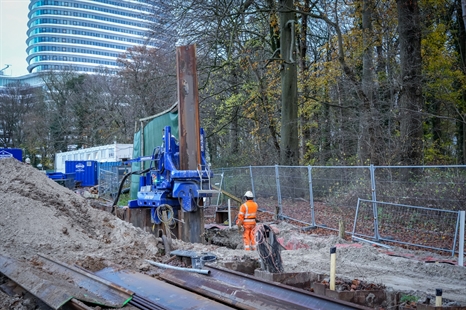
point(106, 153)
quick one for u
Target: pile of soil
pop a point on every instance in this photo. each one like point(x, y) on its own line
point(40, 216)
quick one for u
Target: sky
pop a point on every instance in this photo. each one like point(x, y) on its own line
point(13, 28)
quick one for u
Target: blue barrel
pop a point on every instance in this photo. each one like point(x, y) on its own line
point(15, 153)
point(85, 171)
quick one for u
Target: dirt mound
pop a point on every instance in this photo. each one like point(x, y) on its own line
point(40, 216)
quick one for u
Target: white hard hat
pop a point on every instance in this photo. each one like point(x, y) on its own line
point(248, 194)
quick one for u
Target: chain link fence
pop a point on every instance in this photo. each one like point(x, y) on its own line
point(110, 178)
point(321, 196)
point(425, 227)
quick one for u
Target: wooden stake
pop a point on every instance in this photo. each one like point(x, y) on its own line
point(438, 297)
point(333, 261)
point(341, 229)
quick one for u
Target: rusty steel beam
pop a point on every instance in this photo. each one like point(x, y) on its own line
point(149, 290)
point(57, 284)
point(192, 223)
point(188, 108)
point(246, 292)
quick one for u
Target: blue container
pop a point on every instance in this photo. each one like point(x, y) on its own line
point(56, 175)
point(85, 171)
point(65, 179)
point(16, 153)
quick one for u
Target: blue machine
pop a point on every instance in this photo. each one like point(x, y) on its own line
point(165, 184)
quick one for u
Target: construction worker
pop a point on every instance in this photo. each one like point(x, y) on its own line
point(247, 220)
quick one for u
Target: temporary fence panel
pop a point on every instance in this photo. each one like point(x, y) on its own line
point(294, 192)
point(410, 225)
point(110, 178)
point(427, 186)
point(109, 166)
point(336, 191)
point(265, 184)
point(236, 181)
point(217, 199)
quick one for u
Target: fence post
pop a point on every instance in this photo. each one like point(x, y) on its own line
point(252, 181)
point(374, 203)
point(461, 241)
point(311, 196)
point(279, 193)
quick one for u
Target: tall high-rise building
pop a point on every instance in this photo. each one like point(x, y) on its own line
point(84, 35)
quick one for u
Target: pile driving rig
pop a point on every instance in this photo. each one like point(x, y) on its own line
point(165, 184)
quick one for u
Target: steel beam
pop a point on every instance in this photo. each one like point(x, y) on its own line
point(250, 293)
point(155, 291)
point(57, 284)
point(192, 225)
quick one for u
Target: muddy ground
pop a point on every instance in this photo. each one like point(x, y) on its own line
point(37, 215)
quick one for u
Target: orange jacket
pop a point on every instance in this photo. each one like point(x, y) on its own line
point(247, 213)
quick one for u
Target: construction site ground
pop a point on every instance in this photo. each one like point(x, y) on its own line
point(40, 216)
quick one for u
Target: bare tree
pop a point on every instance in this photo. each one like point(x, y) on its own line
point(149, 76)
point(411, 102)
point(16, 100)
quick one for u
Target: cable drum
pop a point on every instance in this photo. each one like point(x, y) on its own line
point(158, 218)
point(269, 249)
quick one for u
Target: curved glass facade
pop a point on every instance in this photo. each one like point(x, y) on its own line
point(84, 35)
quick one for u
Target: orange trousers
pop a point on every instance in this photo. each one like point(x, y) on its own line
point(249, 240)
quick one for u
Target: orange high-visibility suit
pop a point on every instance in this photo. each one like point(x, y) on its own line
point(247, 219)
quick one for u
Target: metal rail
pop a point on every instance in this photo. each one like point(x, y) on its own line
point(246, 292)
point(58, 284)
point(145, 304)
point(157, 291)
point(222, 289)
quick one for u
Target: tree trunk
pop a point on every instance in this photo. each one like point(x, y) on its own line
point(367, 138)
point(304, 119)
point(411, 102)
point(461, 125)
point(463, 9)
point(289, 151)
